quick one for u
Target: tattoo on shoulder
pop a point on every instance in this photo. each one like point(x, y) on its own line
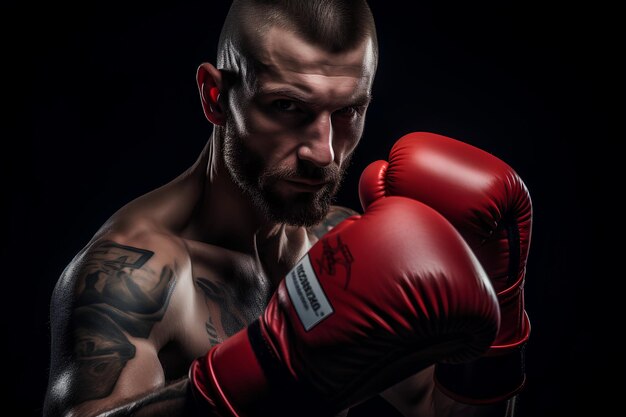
point(336, 215)
point(117, 295)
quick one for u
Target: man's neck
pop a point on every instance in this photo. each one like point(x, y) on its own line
point(227, 218)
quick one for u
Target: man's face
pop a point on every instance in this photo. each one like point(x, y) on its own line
point(290, 133)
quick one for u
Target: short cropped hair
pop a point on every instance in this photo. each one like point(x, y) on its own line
point(334, 25)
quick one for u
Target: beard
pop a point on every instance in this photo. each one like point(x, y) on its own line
point(262, 184)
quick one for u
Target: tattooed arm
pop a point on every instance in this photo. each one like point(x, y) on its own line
point(335, 216)
point(104, 312)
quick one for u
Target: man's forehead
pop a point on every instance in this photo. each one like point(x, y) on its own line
point(282, 50)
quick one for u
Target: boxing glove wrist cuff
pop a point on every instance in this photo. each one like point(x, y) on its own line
point(286, 396)
point(228, 377)
point(242, 377)
point(487, 380)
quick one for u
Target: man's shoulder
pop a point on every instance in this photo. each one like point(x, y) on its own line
point(335, 215)
point(139, 237)
point(139, 256)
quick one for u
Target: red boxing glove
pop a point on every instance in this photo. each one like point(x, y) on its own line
point(490, 205)
point(377, 299)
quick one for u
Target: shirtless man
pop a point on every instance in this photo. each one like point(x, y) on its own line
point(188, 265)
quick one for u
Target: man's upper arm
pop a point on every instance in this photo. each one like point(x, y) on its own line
point(103, 311)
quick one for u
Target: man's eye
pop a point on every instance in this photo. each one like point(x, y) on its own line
point(284, 105)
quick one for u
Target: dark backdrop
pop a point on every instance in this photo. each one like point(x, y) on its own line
point(102, 107)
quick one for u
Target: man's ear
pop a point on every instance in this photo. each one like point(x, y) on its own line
point(210, 84)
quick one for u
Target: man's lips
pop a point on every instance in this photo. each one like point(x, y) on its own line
point(308, 181)
point(306, 184)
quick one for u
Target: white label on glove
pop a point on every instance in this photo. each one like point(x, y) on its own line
point(307, 295)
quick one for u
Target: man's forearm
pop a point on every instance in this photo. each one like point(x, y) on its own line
point(172, 400)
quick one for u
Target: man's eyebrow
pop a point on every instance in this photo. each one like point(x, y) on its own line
point(291, 93)
point(287, 92)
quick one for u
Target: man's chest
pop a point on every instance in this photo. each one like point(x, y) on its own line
point(229, 299)
point(222, 295)
point(227, 292)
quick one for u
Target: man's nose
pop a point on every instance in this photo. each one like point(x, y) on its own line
point(317, 146)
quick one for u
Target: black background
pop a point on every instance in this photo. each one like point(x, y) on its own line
point(102, 107)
